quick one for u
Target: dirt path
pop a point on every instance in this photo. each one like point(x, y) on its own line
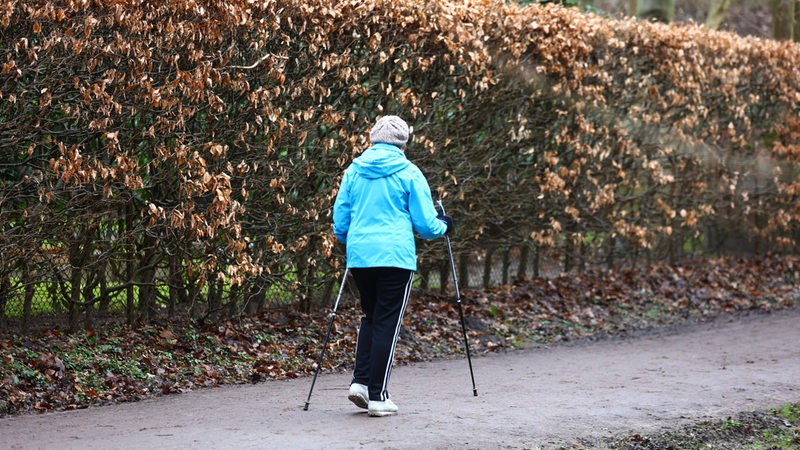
point(540, 397)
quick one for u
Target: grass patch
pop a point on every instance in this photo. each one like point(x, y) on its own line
point(777, 428)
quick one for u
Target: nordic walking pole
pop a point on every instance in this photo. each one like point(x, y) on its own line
point(327, 335)
point(458, 298)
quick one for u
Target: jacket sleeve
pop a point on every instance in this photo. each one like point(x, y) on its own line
point(341, 210)
point(420, 205)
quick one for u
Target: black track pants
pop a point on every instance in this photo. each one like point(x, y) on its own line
point(384, 295)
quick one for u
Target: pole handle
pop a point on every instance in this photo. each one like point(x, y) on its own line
point(438, 200)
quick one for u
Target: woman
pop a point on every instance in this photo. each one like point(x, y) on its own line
point(383, 198)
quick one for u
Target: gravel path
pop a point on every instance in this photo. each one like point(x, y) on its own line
point(542, 397)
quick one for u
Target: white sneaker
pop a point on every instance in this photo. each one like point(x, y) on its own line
point(380, 409)
point(359, 395)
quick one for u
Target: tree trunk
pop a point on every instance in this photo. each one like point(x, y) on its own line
point(4, 294)
point(193, 287)
point(569, 250)
point(583, 250)
point(215, 298)
point(487, 267)
point(611, 247)
point(444, 275)
point(105, 299)
point(783, 19)
point(29, 281)
point(89, 299)
point(258, 296)
point(145, 275)
point(424, 277)
point(796, 30)
point(506, 264)
point(77, 259)
point(234, 294)
point(522, 268)
point(717, 13)
point(175, 285)
point(74, 298)
point(463, 270)
point(130, 268)
point(660, 10)
point(327, 291)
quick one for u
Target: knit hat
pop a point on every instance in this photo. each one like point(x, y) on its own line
point(389, 130)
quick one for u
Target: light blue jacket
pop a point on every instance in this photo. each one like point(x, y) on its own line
point(382, 199)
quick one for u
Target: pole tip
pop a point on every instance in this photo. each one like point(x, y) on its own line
point(474, 392)
point(305, 408)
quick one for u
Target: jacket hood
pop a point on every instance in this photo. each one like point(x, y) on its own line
point(380, 160)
